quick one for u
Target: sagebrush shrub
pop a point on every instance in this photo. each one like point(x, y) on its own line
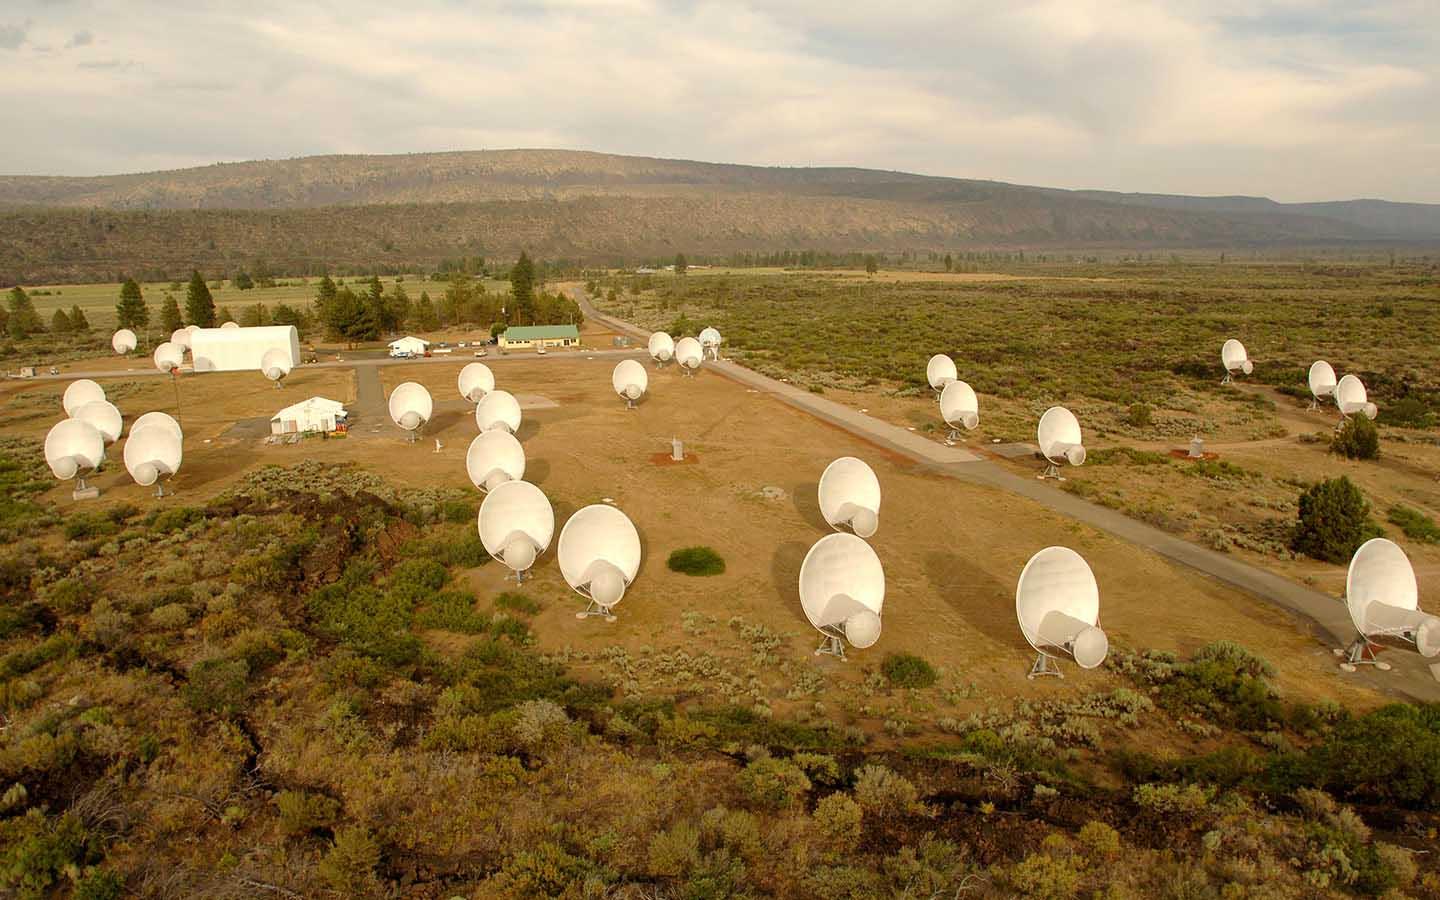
point(908, 670)
point(773, 783)
point(838, 820)
point(1358, 438)
point(884, 792)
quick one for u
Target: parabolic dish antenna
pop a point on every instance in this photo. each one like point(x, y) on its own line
point(168, 356)
point(1321, 380)
point(1235, 359)
point(630, 381)
point(153, 451)
point(959, 407)
point(79, 393)
point(476, 380)
point(123, 341)
point(181, 336)
point(1384, 601)
point(1059, 438)
point(410, 406)
point(940, 371)
point(599, 555)
point(1058, 604)
point(850, 496)
point(689, 354)
point(73, 448)
point(275, 364)
point(662, 347)
point(710, 341)
point(493, 459)
point(158, 418)
point(231, 324)
point(1350, 396)
point(499, 410)
point(516, 523)
point(842, 591)
point(103, 417)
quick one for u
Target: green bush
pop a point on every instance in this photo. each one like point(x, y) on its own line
point(885, 793)
point(101, 884)
point(908, 671)
point(217, 685)
point(1416, 525)
point(302, 812)
point(36, 851)
point(350, 864)
point(1140, 416)
point(1389, 756)
point(773, 783)
point(1358, 438)
point(513, 602)
point(838, 819)
point(1407, 412)
point(696, 561)
point(453, 611)
point(175, 519)
point(1334, 520)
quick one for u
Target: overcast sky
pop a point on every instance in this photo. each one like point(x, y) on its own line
point(1295, 99)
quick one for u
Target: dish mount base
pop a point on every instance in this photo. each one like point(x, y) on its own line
point(1044, 666)
point(1051, 471)
point(595, 609)
point(832, 645)
point(1360, 653)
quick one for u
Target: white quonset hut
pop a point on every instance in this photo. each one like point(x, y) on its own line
point(241, 349)
point(409, 344)
point(315, 414)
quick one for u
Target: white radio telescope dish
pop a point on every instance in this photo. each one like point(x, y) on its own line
point(959, 407)
point(499, 410)
point(476, 380)
point(181, 336)
point(153, 451)
point(169, 355)
point(1058, 604)
point(689, 354)
point(630, 381)
point(1235, 359)
point(410, 406)
point(1060, 442)
point(158, 418)
point(123, 341)
point(103, 417)
point(940, 371)
point(230, 324)
point(599, 554)
point(73, 448)
point(1321, 380)
point(1384, 601)
point(79, 393)
point(661, 347)
point(842, 591)
point(850, 496)
point(1350, 396)
point(275, 364)
point(710, 341)
point(493, 459)
point(516, 523)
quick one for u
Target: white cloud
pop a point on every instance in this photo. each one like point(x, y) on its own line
point(1298, 100)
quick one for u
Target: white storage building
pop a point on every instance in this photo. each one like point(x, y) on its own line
point(315, 414)
point(239, 349)
point(409, 344)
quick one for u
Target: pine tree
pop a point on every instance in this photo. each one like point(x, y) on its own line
point(522, 290)
point(425, 313)
point(199, 305)
point(680, 264)
point(224, 316)
point(170, 315)
point(60, 323)
point(131, 311)
point(324, 298)
point(400, 307)
point(243, 281)
point(24, 320)
point(78, 323)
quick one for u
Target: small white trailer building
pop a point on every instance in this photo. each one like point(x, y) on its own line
point(240, 349)
point(409, 346)
point(315, 414)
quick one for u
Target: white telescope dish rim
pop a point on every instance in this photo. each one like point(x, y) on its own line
point(1058, 434)
point(80, 392)
point(105, 417)
point(1235, 358)
point(849, 486)
point(515, 506)
point(940, 371)
point(1351, 397)
point(1321, 379)
point(168, 355)
point(123, 341)
point(153, 450)
point(410, 397)
point(597, 532)
point(959, 405)
point(689, 353)
point(709, 337)
point(230, 325)
point(661, 346)
point(1379, 569)
point(1057, 580)
point(498, 409)
point(841, 577)
point(493, 455)
point(181, 337)
point(76, 442)
point(629, 373)
point(475, 381)
point(158, 418)
point(275, 363)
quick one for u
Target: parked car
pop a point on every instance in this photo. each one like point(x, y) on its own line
point(442, 344)
point(461, 345)
point(480, 353)
point(540, 351)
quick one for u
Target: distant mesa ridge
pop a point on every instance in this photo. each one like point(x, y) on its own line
point(414, 208)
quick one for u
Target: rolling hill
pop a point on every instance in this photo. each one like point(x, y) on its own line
point(417, 208)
